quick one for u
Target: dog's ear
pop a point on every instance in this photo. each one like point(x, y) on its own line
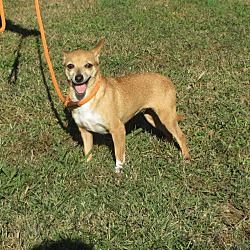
point(64, 53)
point(97, 49)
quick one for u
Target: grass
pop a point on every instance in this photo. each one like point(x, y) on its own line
point(50, 198)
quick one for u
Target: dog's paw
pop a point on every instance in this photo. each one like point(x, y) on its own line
point(119, 167)
point(118, 170)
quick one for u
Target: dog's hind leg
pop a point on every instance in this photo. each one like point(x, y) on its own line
point(154, 120)
point(169, 119)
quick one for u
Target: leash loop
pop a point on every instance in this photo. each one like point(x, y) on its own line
point(2, 17)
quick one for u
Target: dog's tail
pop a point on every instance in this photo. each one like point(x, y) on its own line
point(180, 117)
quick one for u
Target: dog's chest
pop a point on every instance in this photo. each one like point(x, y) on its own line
point(90, 120)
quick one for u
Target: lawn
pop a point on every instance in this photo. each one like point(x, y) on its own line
point(50, 198)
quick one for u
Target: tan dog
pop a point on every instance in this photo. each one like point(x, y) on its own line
point(117, 101)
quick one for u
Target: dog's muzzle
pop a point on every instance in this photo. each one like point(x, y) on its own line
point(80, 84)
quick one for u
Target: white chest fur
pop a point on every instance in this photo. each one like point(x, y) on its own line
point(89, 119)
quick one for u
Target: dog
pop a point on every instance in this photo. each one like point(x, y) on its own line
point(117, 101)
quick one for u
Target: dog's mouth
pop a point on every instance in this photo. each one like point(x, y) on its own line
point(80, 87)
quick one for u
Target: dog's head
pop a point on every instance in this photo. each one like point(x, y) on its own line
point(82, 66)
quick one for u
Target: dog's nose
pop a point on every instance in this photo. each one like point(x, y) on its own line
point(79, 78)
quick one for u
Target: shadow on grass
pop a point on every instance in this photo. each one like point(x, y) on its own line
point(23, 32)
point(64, 244)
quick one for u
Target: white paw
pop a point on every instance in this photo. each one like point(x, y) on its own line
point(119, 167)
point(118, 170)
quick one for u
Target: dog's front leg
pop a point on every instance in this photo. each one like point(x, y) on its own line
point(87, 138)
point(118, 135)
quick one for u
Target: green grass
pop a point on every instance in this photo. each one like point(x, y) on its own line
point(50, 198)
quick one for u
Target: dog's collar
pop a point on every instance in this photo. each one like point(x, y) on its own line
point(70, 104)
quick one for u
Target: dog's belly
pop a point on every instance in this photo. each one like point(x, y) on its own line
point(90, 121)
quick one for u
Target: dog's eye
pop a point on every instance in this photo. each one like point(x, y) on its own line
point(70, 66)
point(88, 65)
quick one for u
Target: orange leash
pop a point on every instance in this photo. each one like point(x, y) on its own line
point(2, 17)
point(46, 52)
point(66, 100)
